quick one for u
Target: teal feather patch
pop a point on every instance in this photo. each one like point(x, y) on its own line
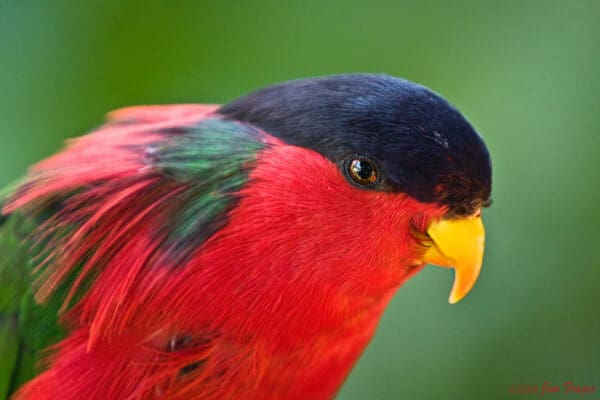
point(211, 160)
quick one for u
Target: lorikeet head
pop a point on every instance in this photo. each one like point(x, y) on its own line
point(408, 157)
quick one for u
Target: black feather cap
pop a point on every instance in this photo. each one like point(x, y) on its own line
point(422, 144)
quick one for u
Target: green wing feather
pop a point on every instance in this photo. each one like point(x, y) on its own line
point(25, 326)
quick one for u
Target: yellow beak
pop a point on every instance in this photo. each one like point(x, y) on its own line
point(457, 243)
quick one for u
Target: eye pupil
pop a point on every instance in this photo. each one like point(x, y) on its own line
point(363, 171)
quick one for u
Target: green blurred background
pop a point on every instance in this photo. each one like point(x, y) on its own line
point(526, 73)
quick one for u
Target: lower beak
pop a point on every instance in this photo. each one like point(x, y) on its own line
point(457, 243)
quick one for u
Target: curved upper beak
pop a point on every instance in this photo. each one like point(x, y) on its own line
point(457, 243)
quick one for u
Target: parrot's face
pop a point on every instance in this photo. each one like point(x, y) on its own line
point(372, 180)
point(360, 241)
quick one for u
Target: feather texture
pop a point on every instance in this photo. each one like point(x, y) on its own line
point(257, 274)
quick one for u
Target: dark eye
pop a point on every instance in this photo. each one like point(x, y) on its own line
point(363, 171)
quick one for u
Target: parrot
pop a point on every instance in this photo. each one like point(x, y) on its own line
point(237, 251)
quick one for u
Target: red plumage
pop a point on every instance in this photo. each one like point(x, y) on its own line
point(258, 319)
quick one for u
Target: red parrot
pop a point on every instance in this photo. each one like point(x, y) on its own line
point(244, 251)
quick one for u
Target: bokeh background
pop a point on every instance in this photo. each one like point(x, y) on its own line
point(526, 74)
